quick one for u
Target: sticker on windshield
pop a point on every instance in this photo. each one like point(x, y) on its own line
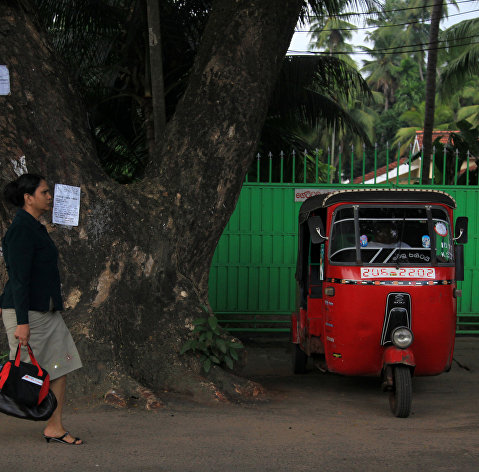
point(363, 240)
point(426, 241)
point(441, 229)
point(393, 273)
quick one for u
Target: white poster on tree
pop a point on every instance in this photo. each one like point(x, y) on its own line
point(4, 80)
point(66, 205)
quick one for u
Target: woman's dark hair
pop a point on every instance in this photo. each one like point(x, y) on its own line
point(27, 183)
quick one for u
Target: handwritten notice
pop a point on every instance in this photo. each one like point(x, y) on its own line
point(66, 205)
point(4, 80)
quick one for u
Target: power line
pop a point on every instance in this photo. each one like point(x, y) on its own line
point(380, 26)
point(341, 53)
point(399, 49)
point(377, 12)
point(424, 44)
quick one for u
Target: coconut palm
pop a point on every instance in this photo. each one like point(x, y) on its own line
point(462, 54)
point(312, 91)
point(381, 71)
point(330, 34)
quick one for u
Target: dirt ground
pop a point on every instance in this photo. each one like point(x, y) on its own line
point(319, 422)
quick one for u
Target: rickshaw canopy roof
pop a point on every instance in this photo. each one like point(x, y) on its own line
point(386, 196)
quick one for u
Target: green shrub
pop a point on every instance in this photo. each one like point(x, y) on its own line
point(213, 342)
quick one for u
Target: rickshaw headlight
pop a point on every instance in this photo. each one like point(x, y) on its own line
point(402, 337)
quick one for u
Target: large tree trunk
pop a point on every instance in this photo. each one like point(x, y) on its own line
point(135, 271)
point(431, 73)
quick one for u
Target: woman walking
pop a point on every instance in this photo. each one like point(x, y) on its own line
point(32, 300)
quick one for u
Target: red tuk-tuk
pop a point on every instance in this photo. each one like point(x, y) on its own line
point(377, 272)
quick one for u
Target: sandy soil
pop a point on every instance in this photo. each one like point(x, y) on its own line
point(315, 421)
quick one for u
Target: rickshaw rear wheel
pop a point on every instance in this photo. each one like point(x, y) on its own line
point(299, 359)
point(400, 399)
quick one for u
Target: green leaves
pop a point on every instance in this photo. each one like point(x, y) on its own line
point(221, 345)
point(207, 365)
point(188, 345)
point(216, 346)
point(228, 362)
point(213, 323)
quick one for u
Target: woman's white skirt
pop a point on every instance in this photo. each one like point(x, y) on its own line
point(50, 340)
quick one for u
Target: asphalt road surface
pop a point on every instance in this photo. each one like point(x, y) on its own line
point(313, 422)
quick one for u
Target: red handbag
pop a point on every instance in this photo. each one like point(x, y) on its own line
point(27, 384)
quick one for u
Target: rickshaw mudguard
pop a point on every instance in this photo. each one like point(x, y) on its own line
point(393, 355)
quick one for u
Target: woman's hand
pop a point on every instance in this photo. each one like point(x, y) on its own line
point(22, 333)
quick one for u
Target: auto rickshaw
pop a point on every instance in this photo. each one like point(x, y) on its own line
point(376, 273)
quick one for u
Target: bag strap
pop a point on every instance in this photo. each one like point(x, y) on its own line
point(18, 354)
point(32, 358)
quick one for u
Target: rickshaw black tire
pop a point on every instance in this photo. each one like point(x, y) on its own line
point(300, 359)
point(400, 399)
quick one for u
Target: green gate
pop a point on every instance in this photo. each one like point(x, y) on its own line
point(252, 284)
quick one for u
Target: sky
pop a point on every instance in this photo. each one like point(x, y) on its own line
point(467, 9)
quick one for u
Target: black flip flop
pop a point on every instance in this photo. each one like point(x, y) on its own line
point(61, 440)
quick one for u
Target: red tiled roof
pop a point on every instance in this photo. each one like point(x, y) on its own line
point(379, 171)
point(445, 135)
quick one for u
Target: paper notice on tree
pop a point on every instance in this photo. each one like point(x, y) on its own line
point(66, 205)
point(4, 81)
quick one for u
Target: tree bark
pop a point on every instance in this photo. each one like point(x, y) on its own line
point(431, 73)
point(135, 270)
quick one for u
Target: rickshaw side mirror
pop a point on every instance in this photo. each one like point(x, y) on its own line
point(460, 230)
point(316, 230)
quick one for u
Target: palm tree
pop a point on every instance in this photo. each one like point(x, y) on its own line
point(312, 91)
point(462, 56)
point(381, 71)
point(416, 21)
point(330, 34)
point(431, 72)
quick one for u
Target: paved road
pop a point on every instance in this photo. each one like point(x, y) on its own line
point(313, 422)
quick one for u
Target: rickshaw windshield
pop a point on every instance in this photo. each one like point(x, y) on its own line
point(391, 235)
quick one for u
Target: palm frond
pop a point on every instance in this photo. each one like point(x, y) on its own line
point(404, 137)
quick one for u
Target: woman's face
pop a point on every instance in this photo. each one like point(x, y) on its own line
point(41, 200)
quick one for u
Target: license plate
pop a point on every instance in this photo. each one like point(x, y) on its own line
point(392, 273)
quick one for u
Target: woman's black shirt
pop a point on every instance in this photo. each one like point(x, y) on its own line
point(31, 258)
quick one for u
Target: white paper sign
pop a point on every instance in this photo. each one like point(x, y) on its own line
point(66, 205)
point(4, 80)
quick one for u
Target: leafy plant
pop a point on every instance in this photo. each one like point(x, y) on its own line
point(214, 344)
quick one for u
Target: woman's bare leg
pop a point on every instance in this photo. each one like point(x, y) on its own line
point(54, 427)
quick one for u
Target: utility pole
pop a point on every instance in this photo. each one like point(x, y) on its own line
point(156, 71)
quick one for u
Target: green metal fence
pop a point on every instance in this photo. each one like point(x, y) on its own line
point(252, 285)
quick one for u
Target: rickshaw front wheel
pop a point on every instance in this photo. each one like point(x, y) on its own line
point(400, 399)
point(299, 359)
